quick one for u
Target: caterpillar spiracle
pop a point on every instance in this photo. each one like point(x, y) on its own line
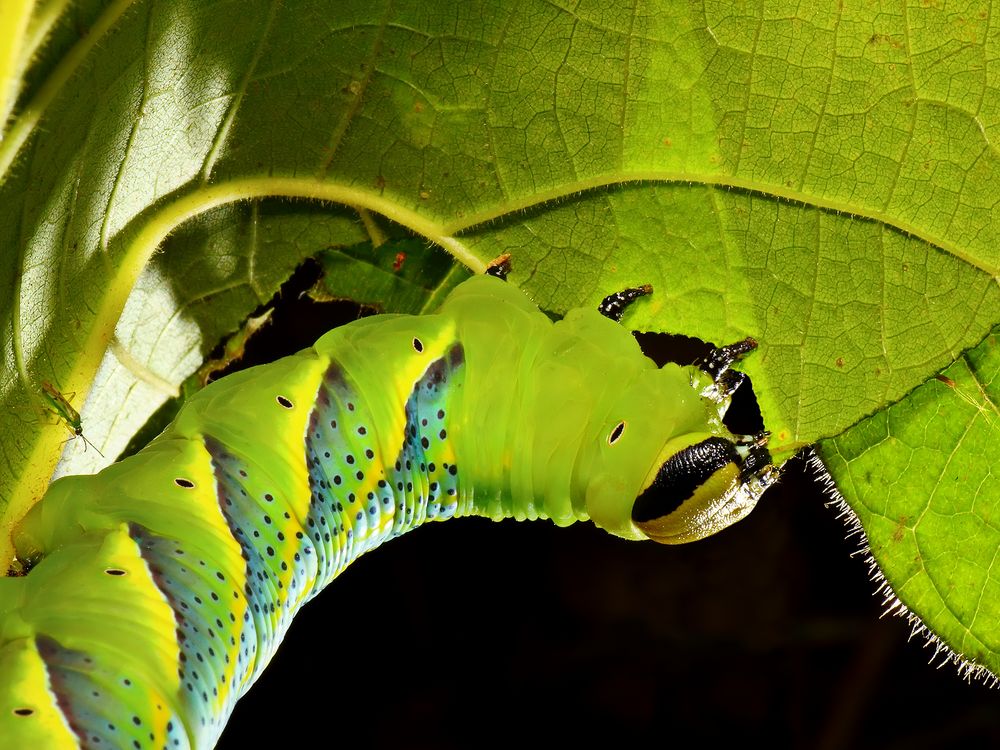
point(158, 589)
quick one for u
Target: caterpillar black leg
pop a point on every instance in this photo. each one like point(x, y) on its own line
point(756, 459)
point(718, 361)
point(760, 438)
point(499, 267)
point(613, 306)
point(727, 382)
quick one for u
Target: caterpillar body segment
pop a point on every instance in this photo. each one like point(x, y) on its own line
point(159, 589)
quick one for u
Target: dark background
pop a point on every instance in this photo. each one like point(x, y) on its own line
point(468, 633)
point(474, 633)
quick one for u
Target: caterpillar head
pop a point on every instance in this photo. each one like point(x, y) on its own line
point(669, 470)
point(700, 488)
point(699, 484)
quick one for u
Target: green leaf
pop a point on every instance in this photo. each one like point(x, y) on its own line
point(921, 480)
point(401, 277)
point(824, 181)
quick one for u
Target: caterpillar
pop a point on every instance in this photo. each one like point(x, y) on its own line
point(157, 590)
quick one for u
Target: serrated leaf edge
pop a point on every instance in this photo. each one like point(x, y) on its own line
point(968, 669)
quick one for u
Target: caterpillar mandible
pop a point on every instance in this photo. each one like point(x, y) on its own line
point(158, 589)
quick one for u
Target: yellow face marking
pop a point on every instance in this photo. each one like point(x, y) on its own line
point(696, 517)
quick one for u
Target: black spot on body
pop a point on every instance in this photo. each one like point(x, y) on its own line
point(616, 433)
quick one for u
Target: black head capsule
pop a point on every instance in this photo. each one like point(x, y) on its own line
point(701, 489)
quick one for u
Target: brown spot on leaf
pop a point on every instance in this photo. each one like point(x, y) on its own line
point(900, 530)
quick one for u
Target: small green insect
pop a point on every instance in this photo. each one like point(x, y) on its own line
point(59, 405)
point(157, 590)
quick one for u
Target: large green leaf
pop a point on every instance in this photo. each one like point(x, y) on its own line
point(824, 181)
point(922, 482)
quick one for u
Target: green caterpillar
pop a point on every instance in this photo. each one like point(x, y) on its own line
point(159, 588)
